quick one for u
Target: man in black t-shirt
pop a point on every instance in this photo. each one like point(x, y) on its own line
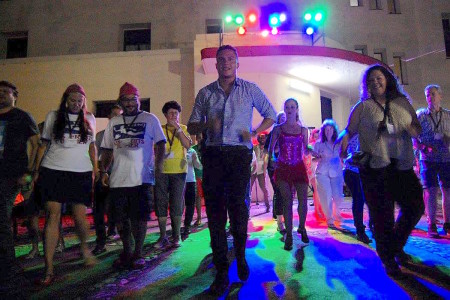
point(19, 139)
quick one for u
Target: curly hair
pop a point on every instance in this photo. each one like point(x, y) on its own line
point(61, 121)
point(393, 88)
point(332, 123)
point(171, 104)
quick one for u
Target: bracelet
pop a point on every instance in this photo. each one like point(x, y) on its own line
point(179, 130)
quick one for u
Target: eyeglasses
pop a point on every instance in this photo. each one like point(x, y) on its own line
point(125, 99)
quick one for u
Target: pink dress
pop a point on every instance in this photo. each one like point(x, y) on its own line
point(290, 166)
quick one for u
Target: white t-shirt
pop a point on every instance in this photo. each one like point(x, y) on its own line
point(71, 155)
point(132, 143)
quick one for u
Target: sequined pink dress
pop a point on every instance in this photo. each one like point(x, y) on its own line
point(290, 166)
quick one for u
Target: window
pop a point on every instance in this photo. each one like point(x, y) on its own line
point(446, 28)
point(393, 6)
point(380, 54)
point(355, 3)
point(361, 49)
point(135, 37)
point(16, 44)
point(400, 68)
point(103, 107)
point(213, 25)
point(375, 4)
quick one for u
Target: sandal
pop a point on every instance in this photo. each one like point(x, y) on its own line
point(32, 254)
point(46, 281)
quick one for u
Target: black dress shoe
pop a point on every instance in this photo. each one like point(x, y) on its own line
point(243, 269)
point(362, 237)
point(220, 283)
point(402, 258)
point(288, 242)
point(305, 238)
point(99, 250)
point(392, 268)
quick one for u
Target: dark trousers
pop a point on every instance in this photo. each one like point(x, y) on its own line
point(9, 189)
point(226, 174)
point(382, 188)
point(100, 208)
point(353, 182)
point(189, 202)
point(277, 200)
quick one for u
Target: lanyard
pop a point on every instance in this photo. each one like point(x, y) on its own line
point(132, 122)
point(70, 126)
point(436, 124)
point(385, 110)
point(170, 140)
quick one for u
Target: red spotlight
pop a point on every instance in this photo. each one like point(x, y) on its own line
point(274, 31)
point(241, 30)
point(252, 18)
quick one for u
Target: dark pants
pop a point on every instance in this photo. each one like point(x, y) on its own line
point(100, 208)
point(382, 187)
point(9, 189)
point(226, 174)
point(353, 182)
point(277, 201)
point(189, 202)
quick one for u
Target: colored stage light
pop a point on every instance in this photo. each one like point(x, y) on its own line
point(318, 17)
point(265, 33)
point(252, 18)
point(274, 20)
point(241, 30)
point(283, 17)
point(239, 20)
point(309, 30)
point(307, 17)
point(274, 31)
point(228, 19)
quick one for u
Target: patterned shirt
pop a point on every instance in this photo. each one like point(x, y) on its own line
point(434, 126)
point(234, 113)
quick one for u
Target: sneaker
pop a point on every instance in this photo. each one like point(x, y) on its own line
point(123, 261)
point(432, 231)
point(98, 250)
point(362, 237)
point(162, 243)
point(176, 241)
point(446, 228)
point(138, 263)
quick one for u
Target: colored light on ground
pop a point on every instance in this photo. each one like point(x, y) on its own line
point(252, 18)
point(241, 30)
point(309, 30)
point(318, 17)
point(239, 20)
point(265, 33)
point(308, 17)
point(274, 31)
point(228, 19)
point(283, 17)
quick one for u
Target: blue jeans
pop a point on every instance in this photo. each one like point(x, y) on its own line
point(353, 182)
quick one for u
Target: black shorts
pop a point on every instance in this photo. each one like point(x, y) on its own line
point(66, 187)
point(131, 203)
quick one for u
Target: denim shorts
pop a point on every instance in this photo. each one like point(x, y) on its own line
point(434, 174)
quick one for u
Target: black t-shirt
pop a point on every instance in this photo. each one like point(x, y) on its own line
point(16, 127)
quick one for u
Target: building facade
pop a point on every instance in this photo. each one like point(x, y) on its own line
point(47, 45)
